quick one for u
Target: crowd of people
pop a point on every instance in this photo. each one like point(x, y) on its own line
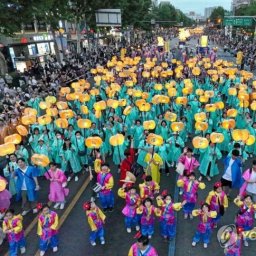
point(155, 105)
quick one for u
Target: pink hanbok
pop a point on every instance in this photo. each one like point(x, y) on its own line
point(150, 251)
point(5, 196)
point(58, 192)
point(190, 165)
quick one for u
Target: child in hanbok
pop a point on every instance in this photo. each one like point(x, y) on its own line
point(96, 220)
point(233, 246)
point(142, 248)
point(58, 192)
point(5, 197)
point(148, 211)
point(190, 187)
point(70, 161)
point(132, 199)
point(47, 230)
point(148, 188)
point(218, 201)
point(245, 216)
point(204, 228)
point(167, 218)
point(12, 226)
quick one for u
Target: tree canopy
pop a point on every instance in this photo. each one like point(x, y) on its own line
point(217, 14)
point(249, 10)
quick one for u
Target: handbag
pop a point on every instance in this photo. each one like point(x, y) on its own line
point(180, 168)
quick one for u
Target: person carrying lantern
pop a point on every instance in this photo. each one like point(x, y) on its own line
point(148, 188)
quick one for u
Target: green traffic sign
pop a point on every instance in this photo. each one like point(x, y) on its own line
point(238, 22)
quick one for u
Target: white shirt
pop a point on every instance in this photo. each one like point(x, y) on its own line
point(24, 186)
point(228, 173)
point(251, 187)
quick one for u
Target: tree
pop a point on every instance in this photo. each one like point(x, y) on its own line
point(217, 15)
point(249, 10)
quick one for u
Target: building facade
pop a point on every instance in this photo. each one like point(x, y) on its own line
point(208, 11)
point(236, 4)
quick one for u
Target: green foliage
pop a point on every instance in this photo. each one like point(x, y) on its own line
point(249, 10)
point(217, 14)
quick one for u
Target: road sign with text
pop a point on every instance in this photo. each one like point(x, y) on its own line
point(239, 22)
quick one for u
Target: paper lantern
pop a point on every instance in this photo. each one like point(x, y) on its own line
point(144, 95)
point(196, 71)
point(158, 87)
point(155, 140)
point(169, 116)
point(201, 126)
point(244, 104)
point(200, 142)
point(84, 97)
point(137, 93)
point(61, 123)
point(93, 142)
point(122, 102)
point(129, 83)
point(51, 99)
point(209, 94)
point(100, 105)
point(112, 103)
point(52, 112)
point(200, 117)
point(253, 105)
point(149, 125)
point(219, 105)
point(7, 149)
point(181, 100)
point(98, 114)
point(65, 90)
point(216, 137)
point(61, 105)
point(84, 110)
point(14, 138)
point(127, 110)
point(75, 85)
point(145, 107)
point(199, 92)
point(93, 71)
point(240, 134)
point(44, 120)
point(210, 107)
point(71, 96)
point(232, 112)
point(40, 160)
point(94, 92)
point(27, 120)
point(228, 124)
point(84, 123)
point(250, 141)
point(203, 99)
point(177, 126)
point(44, 105)
point(30, 112)
point(68, 113)
point(3, 184)
point(116, 140)
point(243, 96)
point(172, 92)
point(22, 130)
point(187, 90)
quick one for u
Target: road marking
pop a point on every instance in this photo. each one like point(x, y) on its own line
point(71, 206)
point(172, 244)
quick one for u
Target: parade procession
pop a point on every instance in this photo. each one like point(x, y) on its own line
point(138, 148)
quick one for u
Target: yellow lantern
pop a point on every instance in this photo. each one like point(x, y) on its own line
point(145, 107)
point(27, 120)
point(7, 149)
point(93, 142)
point(169, 116)
point(140, 102)
point(44, 105)
point(244, 104)
point(127, 110)
point(199, 92)
point(219, 105)
point(61, 105)
point(116, 140)
point(100, 105)
point(84, 110)
point(209, 94)
point(129, 83)
point(98, 114)
point(68, 113)
point(30, 112)
point(122, 102)
point(155, 140)
point(52, 112)
point(210, 107)
point(14, 138)
point(94, 92)
point(158, 87)
point(181, 100)
point(144, 95)
point(200, 142)
point(200, 117)
point(196, 71)
point(61, 123)
point(65, 90)
point(228, 124)
point(243, 96)
point(253, 105)
point(84, 97)
point(22, 130)
point(203, 99)
point(240, 135)
point(44, 120)
point(137, 93)
point(112, 103)
point(172, 92)
point(40, 160)
point(149, 125)
point(84, 123)
point(216, 137)
point(232, 112)
point(71, 96)
point(75, 85)
point(250, 141)
point(51, 99)
point(201, 126)
point(177, 126)
point(187, 90)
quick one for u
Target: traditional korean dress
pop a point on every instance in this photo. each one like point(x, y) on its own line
point(78, 142)
point(148, 190)
point(16, 238)
point(175, 148)
point(47, 230)
point(56, 149)
point(135, 251)
point(142, 152)
point(22, 153)
point(154, 166)
point(10, 167)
